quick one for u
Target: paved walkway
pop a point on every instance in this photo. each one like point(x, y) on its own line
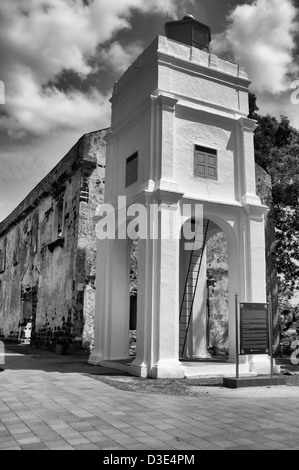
point(51, 402)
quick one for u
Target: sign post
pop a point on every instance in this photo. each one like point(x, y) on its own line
point(254, 335)
point(270, 334)
point(237, 337)
point(2, 355)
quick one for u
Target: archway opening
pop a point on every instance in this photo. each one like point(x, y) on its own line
point(203, 323)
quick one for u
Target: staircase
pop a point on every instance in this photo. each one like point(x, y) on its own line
point(191, 285)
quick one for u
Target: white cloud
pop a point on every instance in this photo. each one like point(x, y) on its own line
point(279, 105)
point(39, 111)
point(39, 39)
point(261, 37)
point(119, 57)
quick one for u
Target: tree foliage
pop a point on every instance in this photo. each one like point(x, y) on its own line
point(277, 151)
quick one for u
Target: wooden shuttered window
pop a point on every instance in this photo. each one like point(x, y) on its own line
point(205, 162)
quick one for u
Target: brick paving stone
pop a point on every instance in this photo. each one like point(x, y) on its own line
point(276, 445)
point(28, 440)
point(20, 433)
point(89, 446)
point(244, 441)
point(69, 434)
point(35, 446)
point(46, 409)
point(47, 436)
point(164, 426)
point(57, 444)
point(59, 447)
point(77, 440)
point(81, 426)
point(106, 443)
point(11, 420)
point(161, 446)
point(3, 434)
point(14, 448)
point(135, 447)
point(7, 444)
point(127, 440)
point(291, 443)
point(92, 434)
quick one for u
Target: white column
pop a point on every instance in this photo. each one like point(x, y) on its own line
point(167, 105)
point(258, 363)
point(247, 162)
point(112, 310)
point(158, 295)
point(236, 279)
point(100, 325)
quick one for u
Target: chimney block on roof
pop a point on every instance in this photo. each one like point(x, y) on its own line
point(190, 32)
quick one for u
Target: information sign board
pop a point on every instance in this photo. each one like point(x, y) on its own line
point(254, 328)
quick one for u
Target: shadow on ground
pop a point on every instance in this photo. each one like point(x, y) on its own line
point(20, 356)
point(25, 357)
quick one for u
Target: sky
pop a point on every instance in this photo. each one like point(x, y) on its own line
point(59, 60)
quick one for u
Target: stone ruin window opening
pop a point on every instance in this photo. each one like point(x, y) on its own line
point(84, 189)
point(58, 217)
point(34, 232)
point(26, 327)
point(16, 253)
point(3, 255)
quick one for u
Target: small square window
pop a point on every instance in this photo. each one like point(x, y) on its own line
point(205, 160)
point(132, 169)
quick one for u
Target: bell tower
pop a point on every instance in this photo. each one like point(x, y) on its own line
point(181, 140)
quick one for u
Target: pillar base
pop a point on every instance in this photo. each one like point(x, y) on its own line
point(260, 364)
point(198, 356)
point(95, 358)
point(139, 368)
point(167, 370)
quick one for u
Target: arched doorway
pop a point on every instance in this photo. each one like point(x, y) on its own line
point(204, 297)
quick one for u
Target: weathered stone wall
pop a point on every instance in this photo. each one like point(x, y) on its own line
point(91, 195)
point(50, 249)
point(42, 267)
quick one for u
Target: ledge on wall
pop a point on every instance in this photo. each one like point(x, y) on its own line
point(58, 242)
